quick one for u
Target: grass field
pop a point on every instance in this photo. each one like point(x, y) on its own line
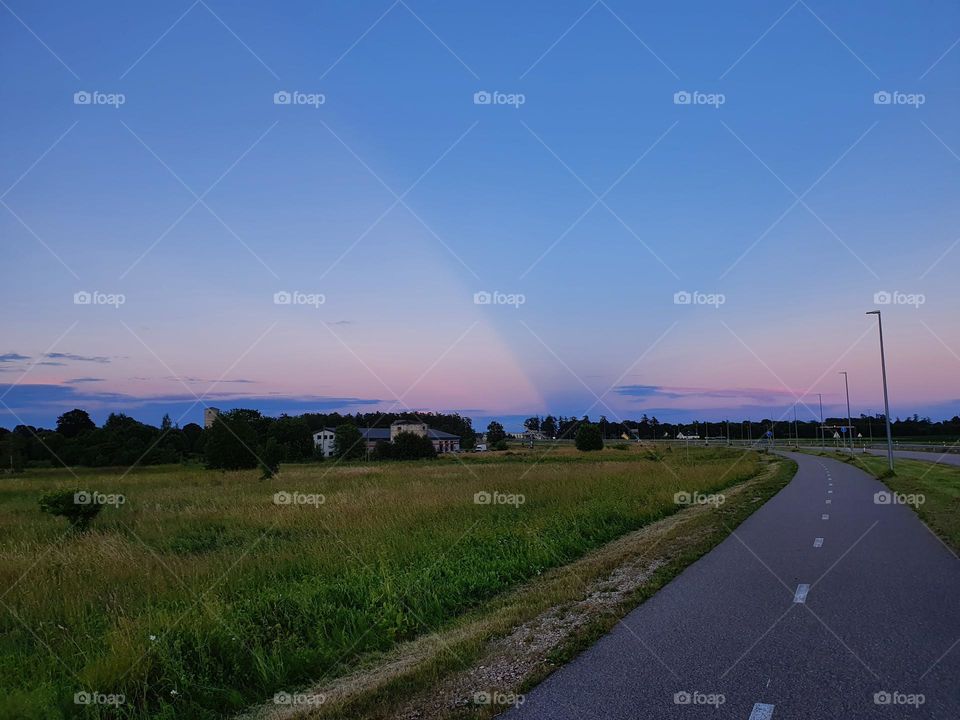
point(201, 595)
point(939, 484)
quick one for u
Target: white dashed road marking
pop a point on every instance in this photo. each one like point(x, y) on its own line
point(824, 517)
point(818, 542)
point(761, 711)
point(829, 501)
point(801, 595)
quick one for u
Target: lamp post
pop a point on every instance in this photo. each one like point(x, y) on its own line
point(846, 383)
point(820, 395)
point(886, 402)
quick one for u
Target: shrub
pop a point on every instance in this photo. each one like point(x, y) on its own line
point(64, 503)
point(589, 438)
point(230, 442)
point(348, 443)
point(269, 459)
point(383, 450)
point(499, 445)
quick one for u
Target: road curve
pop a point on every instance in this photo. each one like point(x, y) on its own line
point(878, 621)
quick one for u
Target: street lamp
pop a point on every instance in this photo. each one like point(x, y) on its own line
point(846, 382)
point(820, 395)
point(886, 402)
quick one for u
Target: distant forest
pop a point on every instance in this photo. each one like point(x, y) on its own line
point(124, 441)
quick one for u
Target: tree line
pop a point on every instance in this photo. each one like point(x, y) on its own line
point(239, 438)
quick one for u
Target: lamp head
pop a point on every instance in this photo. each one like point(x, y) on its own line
point(873, 312)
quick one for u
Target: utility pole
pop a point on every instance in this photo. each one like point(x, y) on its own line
point(820, 395)
point(846, 383)
point(886, 401)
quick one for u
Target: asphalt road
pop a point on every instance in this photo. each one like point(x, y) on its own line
point(880, 615)
point(936, 457)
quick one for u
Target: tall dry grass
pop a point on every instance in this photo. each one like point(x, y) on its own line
point(200, 595)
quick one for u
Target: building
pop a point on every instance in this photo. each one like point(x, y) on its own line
point(443, 442)
point(210, 414)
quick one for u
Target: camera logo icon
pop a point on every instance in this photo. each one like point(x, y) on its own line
point(882, 498)
point(682, 298)
point(482, 97)
point(482, 498)
point(282, 498)
point(482, 298)
point(882, 298)
point(82, 498)
point(282, 298)
point(882, 97)
point(82, 298)
point(282, 97)
point(682, 97)
point(82, 97)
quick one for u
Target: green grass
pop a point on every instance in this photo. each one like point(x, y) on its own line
point(200, 596)
point(939, 484)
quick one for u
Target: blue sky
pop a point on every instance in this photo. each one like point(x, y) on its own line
point(597, 200)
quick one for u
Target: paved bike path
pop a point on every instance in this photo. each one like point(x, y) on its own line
point(880, 616)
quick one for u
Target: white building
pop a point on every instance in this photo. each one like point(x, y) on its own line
point(443, 442)
point(210, 414)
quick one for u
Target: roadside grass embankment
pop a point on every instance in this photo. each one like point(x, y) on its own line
point(207, 592)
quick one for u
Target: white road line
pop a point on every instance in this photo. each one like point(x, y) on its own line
point(829, 501)
point(818, 542)
point(824, 517)
point(761, 711)
point(801, 595)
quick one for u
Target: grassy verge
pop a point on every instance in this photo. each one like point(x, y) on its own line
point(516, 640)
point(938, 483)
point(202, 594)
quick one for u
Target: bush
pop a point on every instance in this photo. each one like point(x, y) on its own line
point(348, 443)
point(410, 446)
point(230, 442)
point(499, 445)
point(64, 503)
point(589, 438)
point(383, 450)
point(269, 459)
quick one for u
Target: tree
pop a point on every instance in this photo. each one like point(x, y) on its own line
point(348, 442)
point(410, 446)
point(589, 438)
point(269, 459)
point(69, 504)
point(73, 423)
point(230, 442)
point(383, 450)
point(495, 433)
point(549, 426)
point(532, 423)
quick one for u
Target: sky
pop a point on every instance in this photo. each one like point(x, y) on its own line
point(493, 208)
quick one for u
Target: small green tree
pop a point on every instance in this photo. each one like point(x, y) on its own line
point(70, 505)
point(269, 459)
point(230, 441)
point(410, 446)
point(383, 450)
point(348, 443)
point(589, 437)
point(495, 433)
point(74, 422)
